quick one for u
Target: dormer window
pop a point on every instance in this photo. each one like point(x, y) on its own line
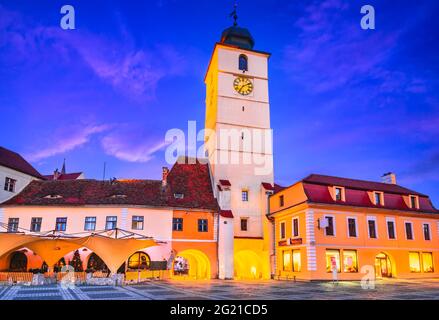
point(178, 195)
point(53, 196)
point(379, 198)
point(339, 194)
point(243, 62)
point(414, 202)
point(118, 196)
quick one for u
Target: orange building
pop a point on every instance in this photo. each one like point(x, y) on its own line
point(358, 228)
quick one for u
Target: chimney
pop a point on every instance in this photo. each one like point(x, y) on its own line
point(56, 174)
point(165, 173)
point(389, 178)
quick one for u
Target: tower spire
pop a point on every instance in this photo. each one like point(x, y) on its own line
point(234, 14)
point(63, 170)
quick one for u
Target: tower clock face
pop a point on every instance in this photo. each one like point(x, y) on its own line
point(243, 86)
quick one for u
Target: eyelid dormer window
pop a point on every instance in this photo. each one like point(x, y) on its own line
point(243, 62)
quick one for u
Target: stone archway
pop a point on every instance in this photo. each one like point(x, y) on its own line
point(194, 264)
point(18, 262)
point(248, 265)
point(384, 266)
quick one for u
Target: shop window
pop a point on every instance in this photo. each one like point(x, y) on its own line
point(427, 262)
point(350, 261)
point(414, 262)
point(297, 262)
point(139, 261)
point(286, 258)
point(332, 260)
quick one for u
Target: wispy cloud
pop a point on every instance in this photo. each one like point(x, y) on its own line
point(131, 143)
point(131, 71)
point(333, 51)
point(66, 140)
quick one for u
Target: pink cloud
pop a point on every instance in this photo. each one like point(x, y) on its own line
point(66, 140)
point(132, 144)
point(131, 71)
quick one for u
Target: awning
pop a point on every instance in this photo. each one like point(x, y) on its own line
point(114, 252)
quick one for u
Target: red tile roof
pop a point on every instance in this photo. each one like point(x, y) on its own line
point(226, 213)
point(225, 183)
point(192, 180)
point(267, 186)
point(14, 161)
point(65, 176)
point(359, 184)
point(356, 193)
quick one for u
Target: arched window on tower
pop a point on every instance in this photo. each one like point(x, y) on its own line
point(243, 62)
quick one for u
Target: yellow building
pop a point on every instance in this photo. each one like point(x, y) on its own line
point(358, 228)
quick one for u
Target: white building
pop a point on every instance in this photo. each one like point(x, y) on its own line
point(239, 148)
point(15, 174)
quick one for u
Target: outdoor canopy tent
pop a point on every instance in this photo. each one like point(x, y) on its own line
point(114, 252)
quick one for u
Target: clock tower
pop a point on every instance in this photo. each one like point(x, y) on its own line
point(238, 144)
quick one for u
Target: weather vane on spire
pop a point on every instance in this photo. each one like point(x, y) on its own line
point(234, 14)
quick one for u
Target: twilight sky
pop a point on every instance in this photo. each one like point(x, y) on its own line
point(344, 101)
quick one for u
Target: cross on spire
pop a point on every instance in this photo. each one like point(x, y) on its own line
point(234, 14)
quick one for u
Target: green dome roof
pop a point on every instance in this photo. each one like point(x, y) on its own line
point(238, 36)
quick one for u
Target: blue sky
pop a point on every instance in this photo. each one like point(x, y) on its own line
point(344, 101)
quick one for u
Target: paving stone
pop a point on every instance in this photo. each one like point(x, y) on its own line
point(109, 295)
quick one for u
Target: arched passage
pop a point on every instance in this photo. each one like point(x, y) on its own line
point(248, 265)
point(384, 266)
point(18, 262)
point(192, 263)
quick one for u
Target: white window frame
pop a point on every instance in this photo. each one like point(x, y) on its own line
point(372, 218)
point(381, 194)
point(416, 201)
point(334, 225)
point(394, 228)
point(343, 194)
point(280, 230)
point(292, 227)
point(356, 227)
point(411, 227)
point(429, 230)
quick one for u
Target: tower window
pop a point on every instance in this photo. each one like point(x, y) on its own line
point(244, 195)
point(243, 62)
